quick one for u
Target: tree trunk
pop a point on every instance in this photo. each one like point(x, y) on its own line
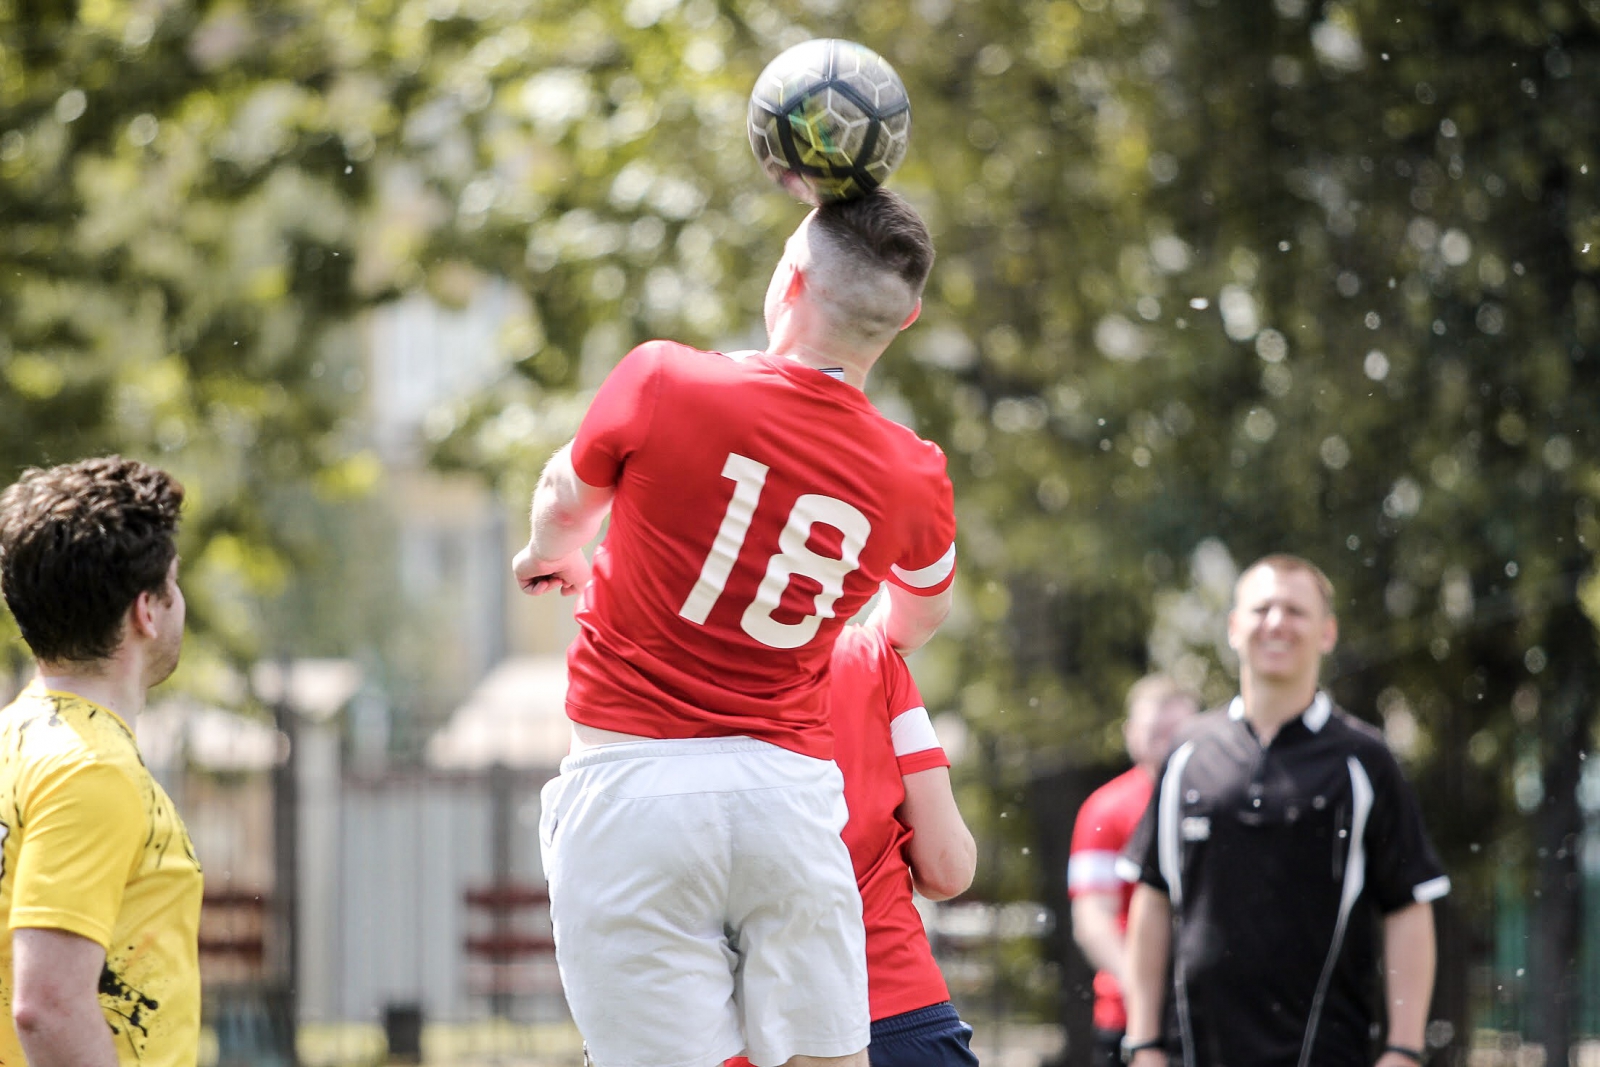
point(1558, 894)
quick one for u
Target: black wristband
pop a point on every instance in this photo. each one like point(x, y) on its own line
point(1413, 1054)
point(1130, 1049)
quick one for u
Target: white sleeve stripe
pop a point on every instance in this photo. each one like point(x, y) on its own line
point(1431, 890)
point(1092, 871)
point(932, 574)
point(912, 731)
point(1128, 870)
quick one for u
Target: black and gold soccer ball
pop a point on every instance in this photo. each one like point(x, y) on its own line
point(829, 120)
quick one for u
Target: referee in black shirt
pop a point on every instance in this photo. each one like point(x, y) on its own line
point(1281, 843)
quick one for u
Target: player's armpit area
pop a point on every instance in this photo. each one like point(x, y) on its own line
point(942, 853)
point(908, 619)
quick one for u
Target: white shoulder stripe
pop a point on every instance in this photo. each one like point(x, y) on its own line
point(912, 731)
point(1431, 890)
point(1093, 870)
point(932, 574)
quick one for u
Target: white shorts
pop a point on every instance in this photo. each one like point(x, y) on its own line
point(704, 904)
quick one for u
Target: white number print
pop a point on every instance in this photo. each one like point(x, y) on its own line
point(748, 477)
point(793, 558)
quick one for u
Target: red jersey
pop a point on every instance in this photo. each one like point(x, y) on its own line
point(758, 504)
point(883, 734)
point(1105, 822)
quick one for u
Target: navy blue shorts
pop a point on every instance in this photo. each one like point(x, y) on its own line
point(928, 1037)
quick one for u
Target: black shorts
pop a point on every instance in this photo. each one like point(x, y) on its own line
point(933, 1036)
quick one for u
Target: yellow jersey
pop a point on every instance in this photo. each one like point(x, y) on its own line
point(93, 846)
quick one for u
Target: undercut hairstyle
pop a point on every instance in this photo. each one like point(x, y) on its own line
point(78, 544)
point(1286, 563)
point(871, 257)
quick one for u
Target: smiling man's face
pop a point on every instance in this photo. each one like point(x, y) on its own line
point(1280, 625)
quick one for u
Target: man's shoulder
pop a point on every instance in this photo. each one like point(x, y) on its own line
point(1123, 796)
point(674, 358)
point(1353, 727)
point(859, 673)
point(915, 449)
point(64, 726)
point(1359, 738)
point(1131, 784)
point(1214, 725)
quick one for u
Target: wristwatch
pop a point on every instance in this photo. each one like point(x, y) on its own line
point(1130, 1049)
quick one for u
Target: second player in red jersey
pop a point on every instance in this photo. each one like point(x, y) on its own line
point(904, 831)
point(1157, 707)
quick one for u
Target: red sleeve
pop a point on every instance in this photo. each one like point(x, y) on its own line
point(926, 760)
point(1096, 843)
point(1094, 830)
point(618, 420)
point(899, 688)
point(928, 565)
point(916, 746)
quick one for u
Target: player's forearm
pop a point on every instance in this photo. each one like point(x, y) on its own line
point(946, 870)
point(566, 513)
point(55, 1000)
point(1094, 928)
point(1408, 967)
point(1149, 944)
point(75, 1037)
point(942, 853)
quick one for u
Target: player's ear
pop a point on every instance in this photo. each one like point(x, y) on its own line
point(796, 285)
point(915, 311)
point(141, 617)
point(1330, 634)
point(1235, 638)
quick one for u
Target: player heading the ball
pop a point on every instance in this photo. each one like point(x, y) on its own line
point(702, 899)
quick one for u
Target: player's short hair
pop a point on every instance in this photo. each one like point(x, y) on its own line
point(883, 230)
point(1157, 689)
point(78, 543)
point(1288, 563)
point(857, 245)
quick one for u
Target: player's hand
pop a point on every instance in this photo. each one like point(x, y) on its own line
point(1149, 1057)
point(537, 576)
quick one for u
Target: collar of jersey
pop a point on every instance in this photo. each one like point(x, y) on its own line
point(1315, 717)
point(811, 376)
point(38, 686)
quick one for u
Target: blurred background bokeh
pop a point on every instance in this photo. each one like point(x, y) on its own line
point(1215, 278)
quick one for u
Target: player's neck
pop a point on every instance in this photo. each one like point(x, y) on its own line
point(109, 683)
point(1269, 704)
point(788, 342)
point(833, 366)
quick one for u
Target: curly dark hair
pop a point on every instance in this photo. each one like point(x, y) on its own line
point(78, 543)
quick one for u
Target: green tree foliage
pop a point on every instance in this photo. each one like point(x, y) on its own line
point(181, 191)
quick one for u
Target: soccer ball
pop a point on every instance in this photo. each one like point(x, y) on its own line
point(829, 120)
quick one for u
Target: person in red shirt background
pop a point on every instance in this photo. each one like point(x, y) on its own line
point(1157, 707)
point(905, 832)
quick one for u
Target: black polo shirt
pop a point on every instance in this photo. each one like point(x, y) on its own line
point(1279, 861)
